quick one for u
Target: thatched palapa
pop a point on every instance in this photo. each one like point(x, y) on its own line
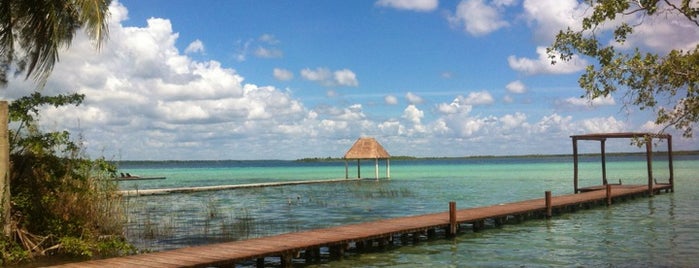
point(367, 148)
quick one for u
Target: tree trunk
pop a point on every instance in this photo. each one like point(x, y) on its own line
point(4, 170)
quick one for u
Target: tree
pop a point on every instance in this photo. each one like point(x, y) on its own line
point(32, 32)
point(667, 84)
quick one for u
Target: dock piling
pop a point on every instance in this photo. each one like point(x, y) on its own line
point(453, 225)
point(609, 194)
point(549, 210)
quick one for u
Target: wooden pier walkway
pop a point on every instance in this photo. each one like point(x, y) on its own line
point(308, 244)
point(163, 191)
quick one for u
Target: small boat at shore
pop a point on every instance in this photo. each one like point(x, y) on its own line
point(129, 177)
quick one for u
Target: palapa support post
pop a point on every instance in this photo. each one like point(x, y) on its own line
point(388, 168)
point(609, 194)
point(549, 210)
point(376, 168)
point(453, 226)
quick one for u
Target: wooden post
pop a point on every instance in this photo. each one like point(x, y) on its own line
point(453, 226)
point(287, 260)
point(388, 168)
point(669, 159)
point(5, 169)
point(359, 167)
point(346, 169)
point(649, 164)
point(376, 169)
point(575, 165)
point(609, 194)
point(604, 161)
point(549, 210)
point(260, 263)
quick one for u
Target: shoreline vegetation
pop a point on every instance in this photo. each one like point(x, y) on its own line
point(415, 158)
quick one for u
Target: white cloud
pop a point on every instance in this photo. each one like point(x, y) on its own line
point(516, 87)
point(325, 77)
point(195, 47)
point(346, 77)
point(603, 125)
point(548, 17)
point(414, 5)
point(318, 75)
point(269, 39)
point(479, 98)
point(413, 114)
point(457, 106)
point(585, 102)
point(268, 53)
point(479, 18)
point(508, 99)
point(390, 99)
point(510, 121)
point(282, 74)
point(412, 98)
point(663, 33)
point(542, 65)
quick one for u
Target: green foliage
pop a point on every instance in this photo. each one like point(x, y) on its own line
point(32, 32)
point(62, 202)
point(666, 84)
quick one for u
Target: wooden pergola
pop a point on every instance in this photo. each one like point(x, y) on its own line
point(647, 139)
point(367, 148)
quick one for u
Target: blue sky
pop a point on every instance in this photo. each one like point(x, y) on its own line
point(179, 80)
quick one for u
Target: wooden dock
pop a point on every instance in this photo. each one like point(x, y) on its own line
point(285, 248)
point(163, 191)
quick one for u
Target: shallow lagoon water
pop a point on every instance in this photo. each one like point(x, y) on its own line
point(658, 231)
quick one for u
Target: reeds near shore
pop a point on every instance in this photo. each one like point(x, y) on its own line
point(219, 216)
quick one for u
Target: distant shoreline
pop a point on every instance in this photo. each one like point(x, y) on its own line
point(415, 158)
point(402, 157)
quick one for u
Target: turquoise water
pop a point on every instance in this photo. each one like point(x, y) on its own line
point(658, 231)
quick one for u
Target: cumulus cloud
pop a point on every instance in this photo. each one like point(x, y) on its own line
point(479, 18)
point(547, 17)
point(412, 98)
point(585, 102)
point(346, 77)
point(603, 125)
point(542, 64)
point(478, 98)
point(414, 5)
point(511, 121)
point(195, 47)
point(262, 47)
point(269, 53)
point(413, 114)
point(390, 99)
point(516, 87)
point(325, 77)
point(282, 74)
point(457, 106)
point(662, 33)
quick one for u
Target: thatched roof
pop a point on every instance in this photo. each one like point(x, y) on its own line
point(366, 148)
